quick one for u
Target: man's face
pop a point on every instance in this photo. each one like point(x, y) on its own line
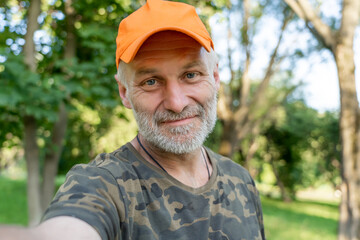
point(172, 89)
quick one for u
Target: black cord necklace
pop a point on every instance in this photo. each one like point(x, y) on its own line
point(152, 158)
point(207, 167)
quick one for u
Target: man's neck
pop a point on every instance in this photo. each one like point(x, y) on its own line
point(190, 169)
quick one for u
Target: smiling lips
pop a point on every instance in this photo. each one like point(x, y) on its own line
point(178, 122)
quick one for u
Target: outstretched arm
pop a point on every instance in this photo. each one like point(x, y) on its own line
point(57, 228)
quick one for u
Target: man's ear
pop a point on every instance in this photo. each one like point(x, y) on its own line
point(216, 77)
point(122, 93)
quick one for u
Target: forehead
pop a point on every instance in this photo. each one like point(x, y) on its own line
point(168, 45)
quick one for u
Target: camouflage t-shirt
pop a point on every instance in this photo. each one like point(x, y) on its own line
point(125, 197)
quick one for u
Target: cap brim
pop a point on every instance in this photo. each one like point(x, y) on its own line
point(129, 54)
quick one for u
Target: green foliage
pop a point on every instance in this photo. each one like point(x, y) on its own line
point(26, 91)
point(95, 131)
point(213, 139)
point(87, 79)
point(303, 147)
point(285, 156)
point(325, 149)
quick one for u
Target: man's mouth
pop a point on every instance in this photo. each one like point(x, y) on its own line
point(178, 122)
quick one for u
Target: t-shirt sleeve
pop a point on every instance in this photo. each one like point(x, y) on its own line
point(89, 194)
point(258, 207)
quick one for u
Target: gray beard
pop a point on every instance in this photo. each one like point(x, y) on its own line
point(180, 139)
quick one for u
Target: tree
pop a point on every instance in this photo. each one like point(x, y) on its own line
point(42, 81)
point(30, 125)
point(301, 148)
point(244, 103)
point(340, 42)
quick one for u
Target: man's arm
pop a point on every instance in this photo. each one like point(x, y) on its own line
point(57, 228)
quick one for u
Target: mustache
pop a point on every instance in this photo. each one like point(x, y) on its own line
point(189, 111)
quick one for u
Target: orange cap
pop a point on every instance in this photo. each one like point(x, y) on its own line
point(156, 16)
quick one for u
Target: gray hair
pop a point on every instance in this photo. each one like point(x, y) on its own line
point(122, 73)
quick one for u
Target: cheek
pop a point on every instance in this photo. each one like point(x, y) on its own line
point(142, 102)
point(203, 92)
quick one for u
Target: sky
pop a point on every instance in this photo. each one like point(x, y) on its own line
point(317, 73)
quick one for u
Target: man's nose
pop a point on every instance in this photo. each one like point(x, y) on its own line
point(175, 98)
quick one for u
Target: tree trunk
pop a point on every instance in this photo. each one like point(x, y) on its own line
point(283, 193)
point(59, 129)
point(349, 227)
point(70, 48)
point(32, 26)
point(227, 138)
point(52, 157)
point(32, 162)
point(349, 224)
point(250, 154)
point(341, 44)
point(30, 145)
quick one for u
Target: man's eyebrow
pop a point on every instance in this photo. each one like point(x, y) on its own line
point(196, 63)
point(145, 71)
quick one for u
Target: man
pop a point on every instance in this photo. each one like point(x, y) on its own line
point(163, 184)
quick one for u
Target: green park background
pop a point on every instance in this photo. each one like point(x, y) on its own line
point(59, 105)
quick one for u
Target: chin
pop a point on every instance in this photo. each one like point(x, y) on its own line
point(179, 143)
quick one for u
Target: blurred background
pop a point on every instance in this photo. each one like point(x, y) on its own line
point(284, 66)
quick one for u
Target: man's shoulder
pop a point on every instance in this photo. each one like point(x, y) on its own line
point(228, 166)
point(121, 156)
point(224, 161)
point(116, 163)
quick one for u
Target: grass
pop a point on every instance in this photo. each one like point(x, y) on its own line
point(13, 205)
point(298, 220)
point(13, 201)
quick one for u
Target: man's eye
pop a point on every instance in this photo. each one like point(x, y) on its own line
point(191, 75)
point(150, 82)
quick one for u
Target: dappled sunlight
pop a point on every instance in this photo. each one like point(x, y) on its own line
point(12, 163)
point(121, 131)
